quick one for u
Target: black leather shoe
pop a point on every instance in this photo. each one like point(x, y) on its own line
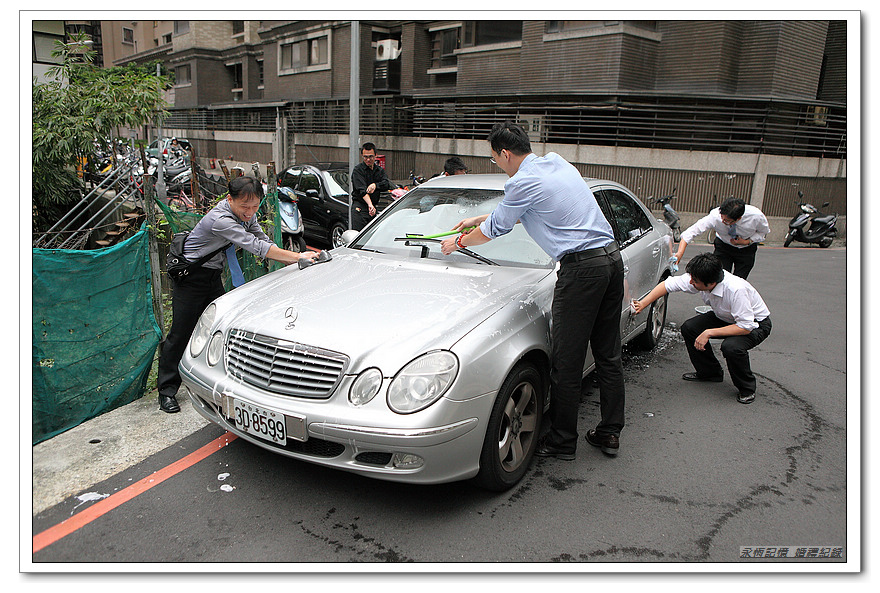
point(608, 443)
point(696, 377)
point(545, 449)
point(745, 398)
point(168, 403)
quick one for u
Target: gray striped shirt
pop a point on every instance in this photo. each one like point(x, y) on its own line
point(220, 227)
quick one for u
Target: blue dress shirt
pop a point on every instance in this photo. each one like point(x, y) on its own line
point(555, 205)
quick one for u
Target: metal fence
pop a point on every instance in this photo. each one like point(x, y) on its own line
point(706, 124)
point(781, 194)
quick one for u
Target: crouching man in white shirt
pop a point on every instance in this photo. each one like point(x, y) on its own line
point(738, 315)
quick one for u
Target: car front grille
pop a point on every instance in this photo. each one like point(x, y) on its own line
point(283, 367)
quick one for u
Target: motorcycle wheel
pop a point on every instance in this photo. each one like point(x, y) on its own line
point(789, 237)
point(710, 237)
point(294, 243)
point(825, 242)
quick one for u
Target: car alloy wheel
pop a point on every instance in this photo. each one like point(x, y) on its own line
point(336, 234)
point(512, 434)
point(649, 339)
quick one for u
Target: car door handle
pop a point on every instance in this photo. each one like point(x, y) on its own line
point(655, 252)
point(625, 269)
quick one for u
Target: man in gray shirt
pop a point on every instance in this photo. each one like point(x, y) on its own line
point(232, 222)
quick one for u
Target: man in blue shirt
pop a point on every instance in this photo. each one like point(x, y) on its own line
point(550, 198)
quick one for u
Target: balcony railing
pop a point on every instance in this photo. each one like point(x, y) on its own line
point(710, 124)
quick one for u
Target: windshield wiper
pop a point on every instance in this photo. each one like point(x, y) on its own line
point(413, 241)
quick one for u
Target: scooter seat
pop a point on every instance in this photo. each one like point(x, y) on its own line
point(824, 219)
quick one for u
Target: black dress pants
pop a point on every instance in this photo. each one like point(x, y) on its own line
point(739, 261)
point(735, 350)
point(587, 304)
point(360, 216)
point(189, 299)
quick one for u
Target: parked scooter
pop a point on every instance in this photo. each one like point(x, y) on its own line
point(415, 180)
point(291, 221)
point(673, 220)
point(811, 226)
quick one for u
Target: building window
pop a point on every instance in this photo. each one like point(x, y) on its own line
point(262, 80)
point(443, 46)
point(166, 38)
point(183, 75)
point(491, 32)
point(181, 27)
point(559, 26)
point(305, 54)
point(235, 73)
point(127, 36)
point(237, 28)
point(43, 46)
point(571, 29)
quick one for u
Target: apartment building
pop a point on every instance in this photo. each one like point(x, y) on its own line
point(750, 108)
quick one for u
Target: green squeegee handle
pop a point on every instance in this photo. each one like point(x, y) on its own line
point(438, 235)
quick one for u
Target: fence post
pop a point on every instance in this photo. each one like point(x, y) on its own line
point(152, 234)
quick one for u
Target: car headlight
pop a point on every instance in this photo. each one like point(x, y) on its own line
point(365, 387)
point(200, 335)
point(215, 349)
point(422, 382)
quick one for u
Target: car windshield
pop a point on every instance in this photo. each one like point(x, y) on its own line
point(430, 211)
point(336, 181)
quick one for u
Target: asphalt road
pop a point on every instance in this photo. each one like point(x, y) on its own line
point(699, 475)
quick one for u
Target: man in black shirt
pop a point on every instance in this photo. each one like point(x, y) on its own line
point(367, 180)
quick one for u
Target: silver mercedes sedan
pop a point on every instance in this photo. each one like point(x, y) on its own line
point(394, 361)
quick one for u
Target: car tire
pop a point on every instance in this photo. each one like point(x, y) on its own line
point(294, 243)
point(513, 431)
point(335, 236)
point(648, 339)
point(789, 237)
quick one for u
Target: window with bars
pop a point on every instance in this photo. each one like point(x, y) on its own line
point(443, 46)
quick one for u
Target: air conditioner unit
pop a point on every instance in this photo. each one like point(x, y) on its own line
point(387, 49)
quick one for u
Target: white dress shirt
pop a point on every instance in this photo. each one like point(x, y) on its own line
point(752, 225)
point(733, 299)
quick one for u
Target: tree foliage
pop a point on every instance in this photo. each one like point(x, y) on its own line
point(79, 105)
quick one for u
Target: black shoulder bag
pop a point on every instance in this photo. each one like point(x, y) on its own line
point(177, 265)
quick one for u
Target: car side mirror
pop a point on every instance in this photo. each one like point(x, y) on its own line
point(312, 193)
point(348, 236)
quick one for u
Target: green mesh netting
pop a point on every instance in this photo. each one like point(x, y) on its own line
point(251, 266)
point(94, 332)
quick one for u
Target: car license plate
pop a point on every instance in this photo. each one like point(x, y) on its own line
point(260, 422)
